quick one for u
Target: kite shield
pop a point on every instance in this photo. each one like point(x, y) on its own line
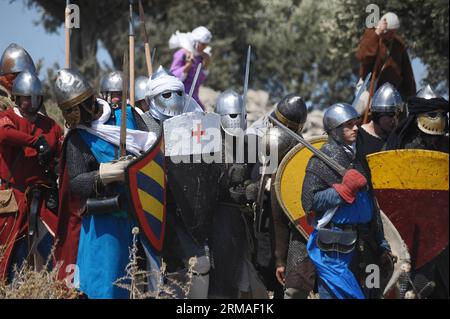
point(146, 187)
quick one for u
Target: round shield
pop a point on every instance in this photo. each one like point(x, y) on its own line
point(289, 182)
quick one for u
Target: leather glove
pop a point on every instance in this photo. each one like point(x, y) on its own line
point(352, 182)
point(43, 150)
point(113, 171)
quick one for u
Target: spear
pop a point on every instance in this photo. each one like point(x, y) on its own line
point(131, 41)
point(123, 122)
point(67, 30)
point(148, 60)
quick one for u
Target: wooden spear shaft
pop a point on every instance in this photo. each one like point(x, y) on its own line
point(373, 82)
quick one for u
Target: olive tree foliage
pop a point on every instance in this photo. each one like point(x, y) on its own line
point(301, 46)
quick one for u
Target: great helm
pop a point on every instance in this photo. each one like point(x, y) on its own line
point(140, 87)
point(28, 84)
point(432, 123)
point(386, 99)
point(165, 95)
point(16, 59)
point(71, 89)
point(233, 116)
point(292, 112)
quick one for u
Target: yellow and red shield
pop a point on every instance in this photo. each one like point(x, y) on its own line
point(411, 187)
point(289, 182)
point(147, 191)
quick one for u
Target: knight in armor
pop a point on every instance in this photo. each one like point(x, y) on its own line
point(294, 271)
point(95, 228)
point(348, 233)
point(111, 86)
point(30, 143)
point(14, 60)
point(426, 127)
point(293, 266)
point(190, 192)
point(386, 107)
point(232, 273)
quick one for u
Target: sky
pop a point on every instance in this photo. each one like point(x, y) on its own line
point(17, 24)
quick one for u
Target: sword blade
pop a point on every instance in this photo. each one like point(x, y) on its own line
point(247, 73)
point(191, 91)
point(330, 162)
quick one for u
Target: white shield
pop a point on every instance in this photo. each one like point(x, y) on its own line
point(192, 133)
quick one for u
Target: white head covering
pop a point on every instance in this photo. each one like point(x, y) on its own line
point(162, 84)
point(181, 40)
point(201, 34)
point(392, 20)
point(189, 40)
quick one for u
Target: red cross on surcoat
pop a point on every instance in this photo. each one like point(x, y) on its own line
point(199, 133)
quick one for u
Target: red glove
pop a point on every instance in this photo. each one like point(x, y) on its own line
point(351, 183)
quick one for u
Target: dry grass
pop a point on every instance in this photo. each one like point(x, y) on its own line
point(170, 285)
point(28, 283)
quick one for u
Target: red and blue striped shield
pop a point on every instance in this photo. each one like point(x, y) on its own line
point(147, 191)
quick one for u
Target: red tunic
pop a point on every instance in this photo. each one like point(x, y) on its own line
point(18, 133)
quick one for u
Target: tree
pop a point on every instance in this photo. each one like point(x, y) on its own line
point(302, 46)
